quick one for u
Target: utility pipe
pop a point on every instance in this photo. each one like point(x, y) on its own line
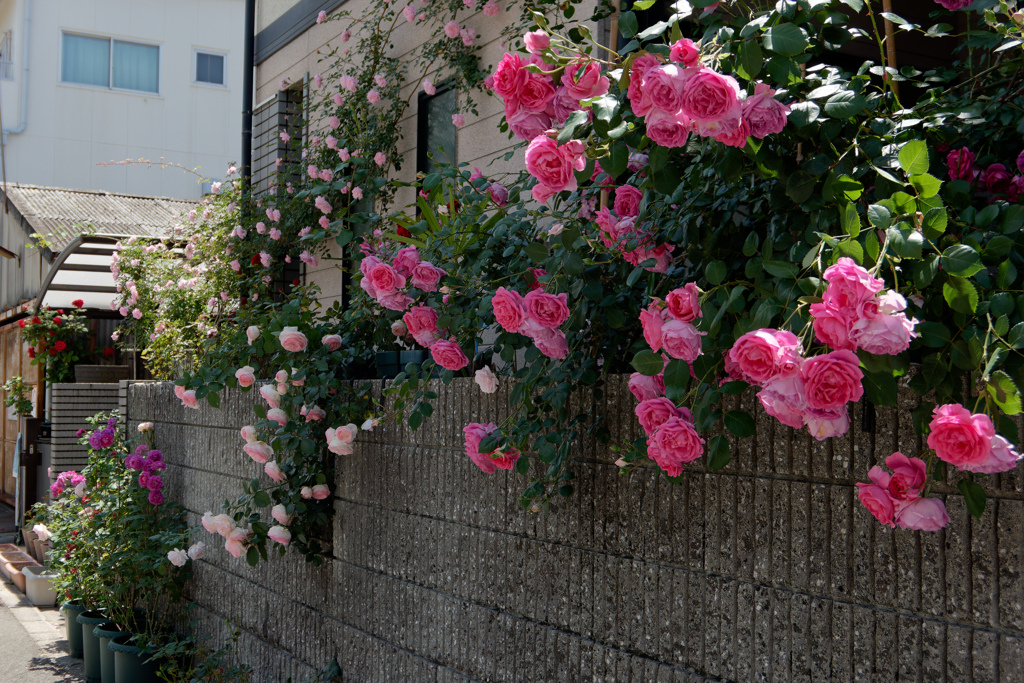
point(24, 77)
point(247, 86)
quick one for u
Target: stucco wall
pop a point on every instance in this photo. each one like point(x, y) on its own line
point(768, 570)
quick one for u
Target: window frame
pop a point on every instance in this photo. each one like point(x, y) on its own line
point(422, 161)
point(196, 51)
point(110, 64)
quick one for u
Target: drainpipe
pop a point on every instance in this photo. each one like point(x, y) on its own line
point(247, 85)
point(24, 78)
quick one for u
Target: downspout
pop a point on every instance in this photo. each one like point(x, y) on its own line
point(248, 68)
point(24, 78)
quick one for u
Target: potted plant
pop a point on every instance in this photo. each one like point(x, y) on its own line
point(17, 396)
point(55, 339)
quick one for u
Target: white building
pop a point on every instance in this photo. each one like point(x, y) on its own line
point(90, 81)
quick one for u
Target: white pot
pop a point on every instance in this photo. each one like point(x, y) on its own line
point(39, 586)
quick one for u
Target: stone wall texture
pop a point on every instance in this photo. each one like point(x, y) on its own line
point(767, 571)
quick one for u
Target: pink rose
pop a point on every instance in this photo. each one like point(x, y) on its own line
point(884, 334)
point(553, 165)
point(509, 309)
point(537, 92)
point(681, 340)
point(426, 275)
point(498, 193)
point(315, 414)
point(258, 451)
point(960, 438)
point(536, 41)
point(546, 309)
point(960, 163)
point(763, 354)
point(645, 388)
point(280, 515)
point(331, 341)
point(640, 103)
point(996, 179)
point(448, 355)
point(245, 376)
point(924, 514)
point(278, 416)
point(396, 301)
point(655, 412)
point(405, 261)
point(678, 443)
point(421, 322)
point(685, 51)
point(832, 380)
point(561, 105)
point(663, 88)
point(763, 113)
point(279, 534)
point(583, 80)
point(385, 280)
point(709, 96)
point(849, 287)
point(627, 200)
point(274, 471)
point(554, 345)
point(509, 76)
point(732, 135)
point(1002, 458)
point(528, 124)
point(248, 433)
point(668, 130)
point(292, 340)
point(683, 303)
point(321, 492)
point(486, 380)
point(252, 333)
point(908, 478)
point(876, 498)
point(823, 424)
point(272, 397)
point(832, 328)
point(491, 461)
point(306, 493)
point(652, 321)
point(785, 399)
point(188, 398)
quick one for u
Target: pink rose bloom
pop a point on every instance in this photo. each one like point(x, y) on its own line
point(561, 105)
point(583, 80)
point(273, 471)
point(960, 438)
point(421, 323)
point(245, 376)
point(396, 301)
point(426, 276)
point(448, 355)
point(709, 96)
point(188, 398)
point(491, 461)
point(849, 287)
point(322, 17)
point(663, 88)
point(677, 444)
point(292, 340)
point(785, 399)
point(315, 414)
point(331, 341)
point(996, 179)
point(248, 433)
point(553, 165)
point(428, 87)
point(548, 310)
point(406, 260)
point(655, 412)
point(458, 120)
point(640, 103)
point(345, 434)
point(537, 92)
point(681, 340)
point(645, 388)
point(1002, 458)
point(685, 51)
point(279, 534)
point(509, 76)
point(823, 424)
point(554, 345)
point(280, 515)
point(306, 493)
point(683, 303)
point(627, 200)
point(498, 193)
point(281, 376)
point(271, 396)
point(373, 97)
point(832, 328)
point(236, 548)
point(321, 492)
point(451, 29)
point(960, 163)
point(509, 309)
point(924, 514)
point(763, 354)
point(278, 416)
point(876, 498)
point(884, 334)
point(491, 9)
point(322, 204)
point(258, 451)
point(763, 113)
point(652, 321)
point(385, 279)
point(178, 391)
point(832, 380)
point(528, 124)
point(954, 5)
point(668, 130)
point(732, 135)
point(536, 41)
point(908, 478)
point(1020, 161)
point(486, 380)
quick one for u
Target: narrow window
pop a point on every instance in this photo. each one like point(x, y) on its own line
point(209, 68)
point(435, 143)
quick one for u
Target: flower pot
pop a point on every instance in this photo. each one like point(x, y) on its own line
point(106, 632)
point(130, 665)
point(74, 629)
point(90, 643)
point(13, 572)
point(37, 549)
point(31, 538)
point(39, 586)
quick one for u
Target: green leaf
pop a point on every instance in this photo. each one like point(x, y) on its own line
point(716, 272)
point(628, 25)
point(415, 420)
point(751, 244)
point(605, 108)
point(974, 496)
point(575, 120)
point(618, 158)
point(914, 157)
point(926, 184)
point(1016, 337)
point(573, 264)
point(804, 113)
point(718, 453)
point(648, 363)
point(961, 260)
point(853, 249)
point(252, 556)
point(844, 105)
point(677, 377)
point(642, 5)
point(785, 39)
point(880, 388)
point(740, 423)
point(1004, 392)
point(262, 499)
point(536, 251)
point(960, 294)
point(849, 219)
point(934, 335)
point(879, 216)
point(751, 59)
point(213, 398)
point(800, 186)
point(782, 269)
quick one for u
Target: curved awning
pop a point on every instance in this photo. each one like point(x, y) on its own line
point(81, 271)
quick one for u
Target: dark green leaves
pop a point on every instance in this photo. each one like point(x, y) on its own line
point(913, 157)
point(536, 251)
point(800, 186)
point(677, 378)
point(262, 499)
point(961, 260)
point(648, 363)
point(844, 105)
point(740, 423)
point(880, 388)
point(575, 120)
point(974, 496)
point(751, 60)
point(960, 294)
point(785, 39)
point(718, 453)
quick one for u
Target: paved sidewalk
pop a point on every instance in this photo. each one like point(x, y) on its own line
point(33, 648)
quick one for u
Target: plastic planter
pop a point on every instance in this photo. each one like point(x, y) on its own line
point(39, 586)
point(91, 644)
point(104, 634)
point(129, 666)
point(74, 629)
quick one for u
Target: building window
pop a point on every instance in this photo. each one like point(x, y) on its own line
point(281, 113)
point(108, 63)
point(209, 68)
point(6, 58)
point(435, 143)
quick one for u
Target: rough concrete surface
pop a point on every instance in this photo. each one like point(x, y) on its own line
point(33, 646)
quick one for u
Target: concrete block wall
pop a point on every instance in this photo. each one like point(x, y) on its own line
point(767, 570)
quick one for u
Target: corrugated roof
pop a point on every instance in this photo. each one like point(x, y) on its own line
point(63, 214)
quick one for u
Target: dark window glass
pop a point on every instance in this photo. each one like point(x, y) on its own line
point(436, 130)
point(209, 68)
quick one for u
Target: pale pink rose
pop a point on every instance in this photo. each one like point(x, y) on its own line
point(373, 97)
point(292, 340)
point(561, 105)
point(638, 99)
point(553, 165)
point(832, 380)
point(683, 303)
point(322, 17)
point(832, 328)
point(258, 451)
point(924, 514)
point(197, 550)
point(960, 438)
point(245, 376)
point(274, 471)
point(406, 260)
point(177, 557)
point(733, 132)
point(645, 388)
point(314, 414)
point(884, 334)
point(278, 416)
point(321, 492)
point(486, 380)
point(451, 29)
point(668, 130)
point(583, 80)
point(547, 310)
point(396, 301)
point(249, 433)
point(876, 498)
point(279, 534)
point(785, 399)
point(491, 9)
point(763, 113)
point(385, 280)
point(206, 521)
point(627, 200)
point(280, 515)
point(458, 120)
point(281, 376)
point(491, 461)
point(536, 41)
point(681, 340)
point(331, 341)
point(188, 398)
point(709, 96)
point(252, 333)
point(426, 276)
point(428, 87)
point(685, 51)
point(1002, 458)
point(509, 309)
point(448, 355)
point(306, 493)
point(399, 328)
point(223, 525)
point(823, 424)
point(528, 124)
point(271, 396)
point(554, 345)
point(332, 142)
point(663, 87)
point(409, 13)
point(655, 412)
point(322, 205)
point(236, 548)
point(677, 443)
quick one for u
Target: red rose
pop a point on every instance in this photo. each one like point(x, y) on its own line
point(21, 324)
point(402, 232)
point(36, 320)
point(56, 320)
point(108, 352)
point(78, 303)
point(60, 346)
point(31, 352)
point(255, 259)
point(52, 352)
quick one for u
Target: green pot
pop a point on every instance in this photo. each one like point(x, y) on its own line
point(129, 666)
point(74, 630)
point(90, 643)
point(106, 632)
